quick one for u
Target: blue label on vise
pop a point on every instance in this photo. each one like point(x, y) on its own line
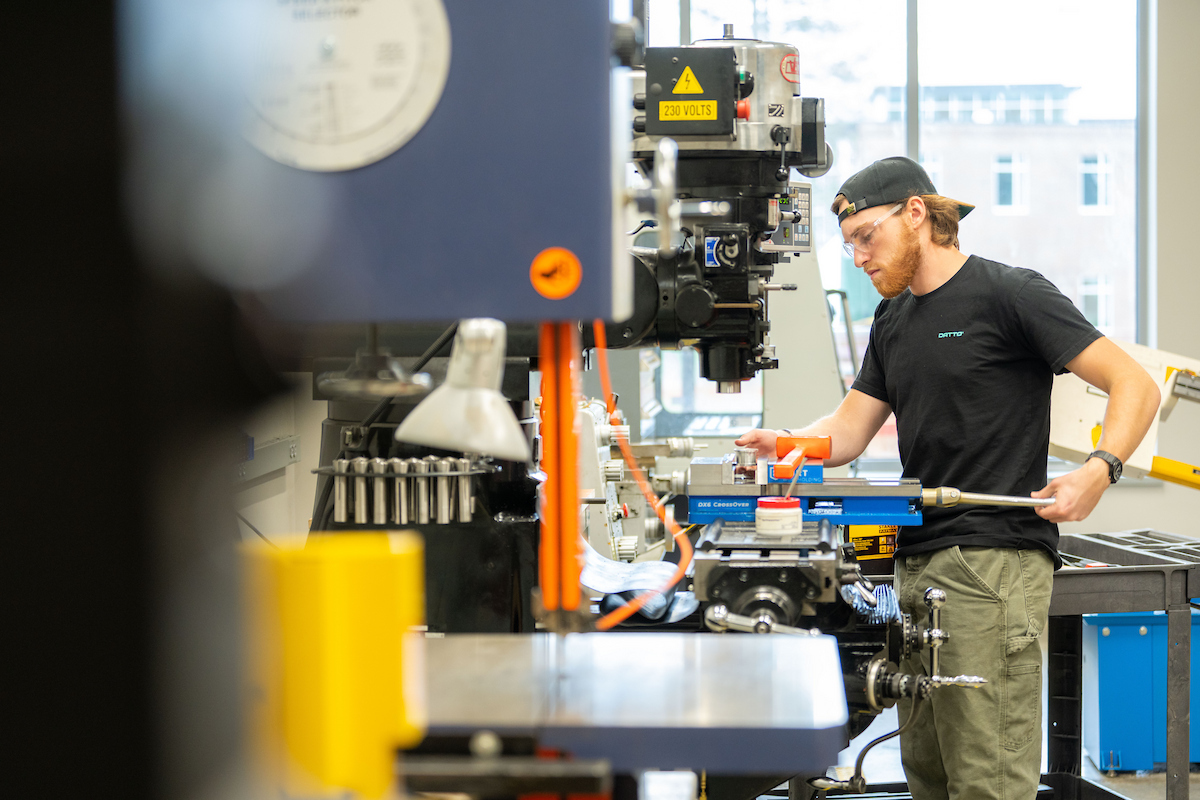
point(811, 473)
point(710, 251)
point(739, 508)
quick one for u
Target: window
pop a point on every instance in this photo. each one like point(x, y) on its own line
point(1095, 185)
point(691, 405)
point(1011, 184)
point(978, 103)
point(1095, 301)
point(933, 167)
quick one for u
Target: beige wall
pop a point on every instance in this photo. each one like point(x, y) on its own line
point(280, 503)
point(1175, 155)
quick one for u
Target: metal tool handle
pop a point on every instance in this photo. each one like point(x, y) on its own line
point(666, 205)
point(720, 619)
point(948, 497)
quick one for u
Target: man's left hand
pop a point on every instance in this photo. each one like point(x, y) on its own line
point(1075, 494)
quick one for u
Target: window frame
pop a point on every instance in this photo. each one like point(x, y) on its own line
point(1019, 189)
point(1103, 170)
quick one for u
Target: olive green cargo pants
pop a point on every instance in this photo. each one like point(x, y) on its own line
point(977, 743)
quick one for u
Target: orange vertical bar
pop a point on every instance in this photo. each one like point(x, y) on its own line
point(568, 452)
point(548, 548)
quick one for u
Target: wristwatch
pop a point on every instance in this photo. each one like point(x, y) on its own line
point(1114, 464)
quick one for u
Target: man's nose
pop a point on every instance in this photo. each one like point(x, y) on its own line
point(860, 258)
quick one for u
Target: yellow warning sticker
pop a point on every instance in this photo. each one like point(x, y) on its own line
point(686, 109)
point(687, 83)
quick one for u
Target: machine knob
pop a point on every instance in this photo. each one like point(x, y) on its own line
point(695, 306)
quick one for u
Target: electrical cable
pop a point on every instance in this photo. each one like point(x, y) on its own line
point(549, 570)
point(256, 530)
point(678, 534)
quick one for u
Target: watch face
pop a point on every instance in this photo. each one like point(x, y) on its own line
point(1114, 471)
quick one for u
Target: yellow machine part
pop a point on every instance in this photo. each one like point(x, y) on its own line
point(335, 667)
point(873, 541)
point(1175, 471)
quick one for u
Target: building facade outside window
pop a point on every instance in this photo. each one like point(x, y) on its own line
point(1095, 184)
point(1095, 300)
point(1011, 183)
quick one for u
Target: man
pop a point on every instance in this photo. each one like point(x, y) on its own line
point(964, 352)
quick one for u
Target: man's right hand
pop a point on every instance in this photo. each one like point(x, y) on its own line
point(761, 439)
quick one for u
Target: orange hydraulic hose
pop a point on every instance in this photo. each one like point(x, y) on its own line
point(548, 549)
point(568, 460)
point(685, 546)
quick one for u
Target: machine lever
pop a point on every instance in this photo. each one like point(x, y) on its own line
point(666, 206)
point(867, 596)
point(718, 618)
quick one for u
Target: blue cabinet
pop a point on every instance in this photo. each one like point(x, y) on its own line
point(1125, 689)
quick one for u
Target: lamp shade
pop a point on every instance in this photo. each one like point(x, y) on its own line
point(468, 413)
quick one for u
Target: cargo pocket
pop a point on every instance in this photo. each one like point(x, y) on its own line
point(1022, 702)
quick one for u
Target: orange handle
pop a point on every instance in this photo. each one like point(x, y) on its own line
point(793, 449)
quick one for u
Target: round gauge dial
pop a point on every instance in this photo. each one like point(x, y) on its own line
point(340, 84)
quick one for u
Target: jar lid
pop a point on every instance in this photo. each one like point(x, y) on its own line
point(779, 503)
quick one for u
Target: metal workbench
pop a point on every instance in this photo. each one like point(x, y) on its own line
point(731, 705)
point(1158, 572)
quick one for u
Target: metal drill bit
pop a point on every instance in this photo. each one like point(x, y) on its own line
point(360, 489)
point(464, 491)
point(443, 490)
point(379, 490)
point(340, 466)
point(421, 513)
point(400, 495)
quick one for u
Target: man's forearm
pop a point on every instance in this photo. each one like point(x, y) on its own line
point(1132, 403)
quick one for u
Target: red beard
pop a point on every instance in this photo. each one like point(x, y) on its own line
point(897, 276)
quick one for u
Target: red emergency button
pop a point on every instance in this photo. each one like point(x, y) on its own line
point(743, 109)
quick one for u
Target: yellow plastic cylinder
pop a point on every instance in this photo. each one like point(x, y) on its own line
point(336, 673)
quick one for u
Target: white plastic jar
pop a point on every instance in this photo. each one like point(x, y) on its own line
point(777, 516)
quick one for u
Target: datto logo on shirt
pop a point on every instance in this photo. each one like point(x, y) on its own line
point(948, 334)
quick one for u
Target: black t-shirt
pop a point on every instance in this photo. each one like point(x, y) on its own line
point(968, 369)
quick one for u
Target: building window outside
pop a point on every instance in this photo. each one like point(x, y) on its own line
point(1095, 185)
point(1011, 181)
point(933, 168)
point(1082, 99)
point(1095, 301)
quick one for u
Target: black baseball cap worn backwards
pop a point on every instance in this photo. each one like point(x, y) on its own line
point(888, 181)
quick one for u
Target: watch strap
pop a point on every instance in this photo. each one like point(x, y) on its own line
point(1114, 464)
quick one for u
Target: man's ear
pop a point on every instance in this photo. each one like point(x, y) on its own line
point(916, 211)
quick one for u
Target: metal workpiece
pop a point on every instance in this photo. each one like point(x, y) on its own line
point(340, 489)
point(420, 467)
point(359, 466)
point(444, 499)
point(716, 475)
point(379, 498)
point(466, 500)
point(948, 497)
point(673, 447)
point(775, 703)
point(400, 491)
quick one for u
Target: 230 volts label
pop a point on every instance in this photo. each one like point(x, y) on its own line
point(687, 109)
